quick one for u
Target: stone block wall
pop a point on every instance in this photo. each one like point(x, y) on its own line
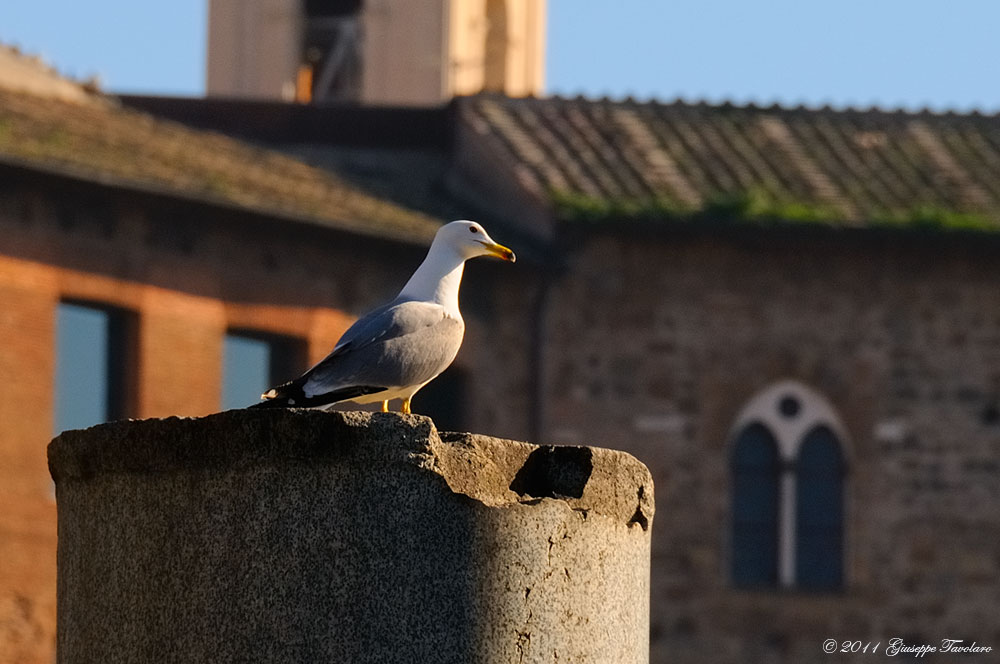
point(656, 343)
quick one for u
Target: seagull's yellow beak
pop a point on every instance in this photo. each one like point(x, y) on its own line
point(499, 251)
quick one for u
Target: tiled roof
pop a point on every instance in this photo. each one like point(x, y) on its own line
point(602, 159)
point(97, 139)
point(399, 154)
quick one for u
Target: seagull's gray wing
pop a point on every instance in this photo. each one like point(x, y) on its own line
point(401, 344)
point(368, 329)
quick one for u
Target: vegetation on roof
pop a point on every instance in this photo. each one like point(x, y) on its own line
point(755, 207)
point(601, 160)
point(933, 217)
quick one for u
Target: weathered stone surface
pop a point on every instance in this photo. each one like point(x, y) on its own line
point(296, 536)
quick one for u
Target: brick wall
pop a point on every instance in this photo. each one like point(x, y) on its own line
point(185, 274)
point(27, 508)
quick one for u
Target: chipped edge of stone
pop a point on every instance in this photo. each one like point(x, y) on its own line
point(484, 469)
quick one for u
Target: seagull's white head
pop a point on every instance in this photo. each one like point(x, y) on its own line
point(469, 239)
point(438, 278)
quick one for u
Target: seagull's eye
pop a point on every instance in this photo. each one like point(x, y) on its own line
point(473, 229)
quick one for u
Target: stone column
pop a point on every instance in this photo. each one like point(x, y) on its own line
point(302, 536)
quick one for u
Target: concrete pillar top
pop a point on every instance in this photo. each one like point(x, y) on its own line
point(491, 470)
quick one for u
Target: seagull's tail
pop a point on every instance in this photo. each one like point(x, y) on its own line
point(287, 395)
point(271, 402)
point(291, 395)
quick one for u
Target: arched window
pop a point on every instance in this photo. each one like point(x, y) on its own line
point(819, 515)
point(755, 468)
point(788, 468)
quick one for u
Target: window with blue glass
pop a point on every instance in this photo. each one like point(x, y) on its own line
point(93, 363)
point(254, 362)
point(819, 517)
point(755, 473)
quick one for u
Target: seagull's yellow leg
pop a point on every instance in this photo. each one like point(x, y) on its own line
point(405, 408)
point(385, 406)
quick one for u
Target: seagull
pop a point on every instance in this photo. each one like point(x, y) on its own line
point(396, 349)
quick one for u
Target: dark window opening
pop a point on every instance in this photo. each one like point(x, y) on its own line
point(443, 400)
point(789, 407)
point(331, 7)
point(819, 519)
point(254, 362)
point(331, 52)
point(755, 472)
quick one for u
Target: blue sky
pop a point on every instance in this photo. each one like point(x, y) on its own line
point(890, 53)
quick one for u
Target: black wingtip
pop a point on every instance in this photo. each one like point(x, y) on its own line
point(291, 395)
point(288, 395)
